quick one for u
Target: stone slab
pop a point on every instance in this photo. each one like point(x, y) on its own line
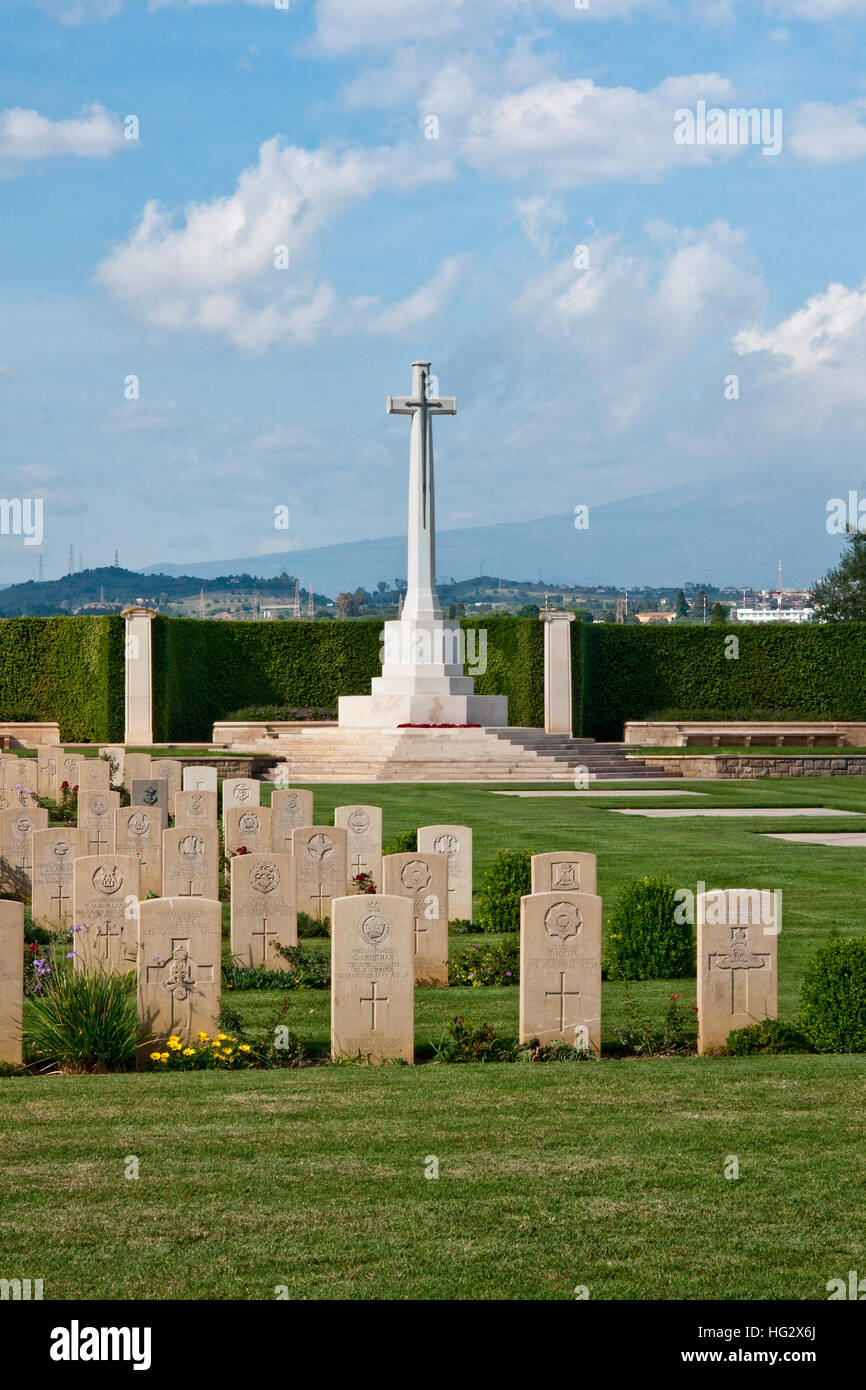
point(17, 827)
point(372, 977)
point(105, 900)
point(738, 947)
point(560, 969)
point(136, 767)
point(190, 863)
point(115, 755)
point(733, 812)
point(151, 792)
point(49, 772)
point(11, 980)
point(96, 820)
point(94, 775)
point(455, 842)
point(623, 795)
point(170, 770)
point(55, 850)
point(195, 808)
point(363, 827)
point(179, 970)
point(138, 831)
point(851, 840)
point(291, 810)
point(200, 779)
point(320, 867)
point(573, 870)
point(423, 879)
point(247, 827)
point(264, 912)
point(240, 792)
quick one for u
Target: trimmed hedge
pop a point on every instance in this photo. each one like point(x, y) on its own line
point(805, 672)
point(201, 670)
point(68, 669)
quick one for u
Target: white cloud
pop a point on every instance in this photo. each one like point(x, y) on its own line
point(826, 332)
point(568, 133)
point(26, 136)
point(829, 134)
point(418, 308)
point(214, 271)
point(819, 9)
point(539, 217)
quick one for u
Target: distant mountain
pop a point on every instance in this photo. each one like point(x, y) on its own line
point(726, 531)
point(109, 589)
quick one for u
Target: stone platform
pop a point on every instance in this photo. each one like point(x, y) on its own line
point(329, 753)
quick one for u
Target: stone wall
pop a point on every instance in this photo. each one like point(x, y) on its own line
point(745, 769)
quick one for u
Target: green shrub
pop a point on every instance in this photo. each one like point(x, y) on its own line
point(768, 1036)
point(460, 926)
point(313, 926)
point(676, 1035)
point(472, 1042)
point(404, 843)
point(277, 714)
point(83, 1020)
point(644, 939)
point(833, 997)
point(556, 1051)
point(308, 970)
point(481, 964)
point(505, 882)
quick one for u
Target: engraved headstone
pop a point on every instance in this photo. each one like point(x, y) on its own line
point(264, 910)
point(179, 970)
point(560, 969)
point(569, 869)
point(151, 792)
point(49, 772)
point(170, 770)
point(455, 842)
point(423, 878)
point(248, 828)
point(54, 853)
point(22, 776)
point(190, 863)
point(372, 977)
point(105, 903)
point(200, 779)
point(16, 848)
point(115, 755)
point(11, 980)
point(320, 867)
point(136, 768)
point(738, 953)
point(195, 808)
point(291, 810)
point(363, 827)
point(96, 820)
point(94, 775)
point(69, 770)
point(138, 831)
point(240, 792)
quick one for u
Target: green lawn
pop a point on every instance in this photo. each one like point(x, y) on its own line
point(606, 1174)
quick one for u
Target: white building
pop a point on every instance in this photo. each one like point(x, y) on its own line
point(775, 615)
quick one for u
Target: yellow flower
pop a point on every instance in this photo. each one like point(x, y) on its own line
point(154, 1056)
point(175, 1044)
point(189, 1052)
point(174, 1038)
point(220, 1037)
point(164, 1057)
point(245, 1047)
point(204, 1036)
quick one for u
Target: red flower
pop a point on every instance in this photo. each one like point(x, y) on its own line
point(33, 948)
point(64, 786)
point(242, 850)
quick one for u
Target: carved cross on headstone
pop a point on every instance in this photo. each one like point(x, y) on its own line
point(104, 934)
point(318, 897)
point(60, 898)
point(373, 1000)
point(561, 994)
point(98, 845)
point(180, 976)
point(739, 961)
point(264, 933)
point(359, 866)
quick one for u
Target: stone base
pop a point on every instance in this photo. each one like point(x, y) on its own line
point(390, 711)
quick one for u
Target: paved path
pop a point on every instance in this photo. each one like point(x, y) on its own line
point(774, 812)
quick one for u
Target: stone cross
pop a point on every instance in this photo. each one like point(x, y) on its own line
point(421, 600)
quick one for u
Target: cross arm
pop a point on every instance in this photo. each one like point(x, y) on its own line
point(401, 405)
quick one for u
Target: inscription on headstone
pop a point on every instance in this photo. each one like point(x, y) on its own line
point(105, 901)
point(96, 820)
point(320, 866)
point(372, 977)
point(560, 969)
point(190, 863)
point(423, 879)
point(200, 778)
point(241, 792)
point(363, 827)
point(195, 808)
point(738, 953)
point(455, 842)
point(54, 853)
point(249, 829)
point(17, 826)
point(11, 980)
point(170, 771)
point(568, 869)
point(138, 831)
point(49, 772)
point(291, 809)
point(264, 911)
point(179, 970)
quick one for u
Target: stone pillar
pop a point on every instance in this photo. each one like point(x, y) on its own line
point(557, 671)
point(139, 677)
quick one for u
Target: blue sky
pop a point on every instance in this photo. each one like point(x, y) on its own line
point(261, 387)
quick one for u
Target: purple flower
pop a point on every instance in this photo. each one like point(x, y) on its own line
point(70, 955)
point(79, 929)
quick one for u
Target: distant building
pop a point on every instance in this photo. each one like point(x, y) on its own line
point(775, 615)
point(656, 617)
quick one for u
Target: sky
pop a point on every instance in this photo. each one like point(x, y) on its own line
point(230, 226)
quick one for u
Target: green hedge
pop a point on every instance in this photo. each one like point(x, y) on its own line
point(805, 672)
point(202, 670)
point(68, 669)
